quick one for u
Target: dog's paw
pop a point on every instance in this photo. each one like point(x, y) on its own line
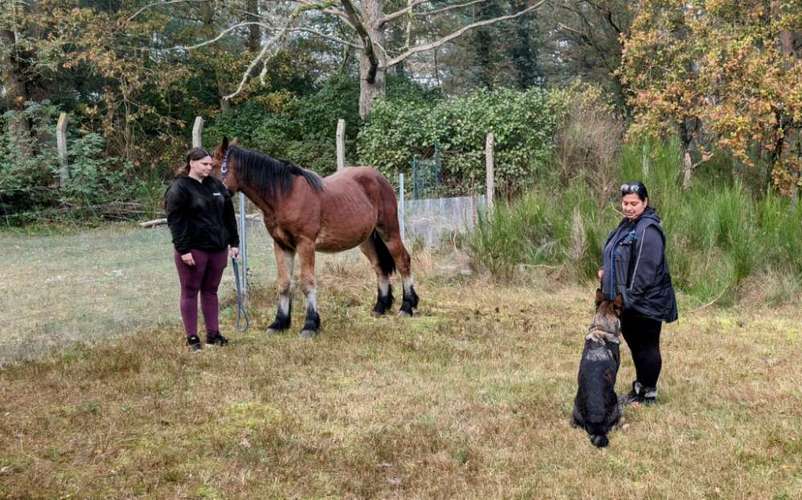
point(599, 440)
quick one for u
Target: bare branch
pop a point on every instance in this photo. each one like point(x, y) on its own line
point(399, 13)
point(458, 33)
point(311, 4)
point(446, 9)
point(159, 4)
point(262, 56)
point(327, 37)
point(221, 35)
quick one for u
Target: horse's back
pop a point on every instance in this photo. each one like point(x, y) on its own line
point(368, 180)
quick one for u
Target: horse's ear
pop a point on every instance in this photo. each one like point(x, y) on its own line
point(599, 297)
point(234, 141)
point(224, 144)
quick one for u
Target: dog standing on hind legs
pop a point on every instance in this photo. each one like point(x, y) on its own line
point(596, 407)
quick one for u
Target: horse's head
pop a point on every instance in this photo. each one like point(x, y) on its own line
point(607, 320)
point(225, 166)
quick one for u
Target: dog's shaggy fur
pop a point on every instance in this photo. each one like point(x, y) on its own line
point(596, 406)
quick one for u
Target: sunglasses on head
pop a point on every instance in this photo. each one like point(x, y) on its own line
point(630, 188)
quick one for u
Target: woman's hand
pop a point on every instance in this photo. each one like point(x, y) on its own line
point(187, 259)
point(600, 273)
point(233, 252)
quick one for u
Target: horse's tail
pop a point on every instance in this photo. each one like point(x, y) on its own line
point(386, 261)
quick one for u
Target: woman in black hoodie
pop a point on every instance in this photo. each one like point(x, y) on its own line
point(201, 218)
point(635, 266)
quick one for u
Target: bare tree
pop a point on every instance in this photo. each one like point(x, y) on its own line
point(367, 24)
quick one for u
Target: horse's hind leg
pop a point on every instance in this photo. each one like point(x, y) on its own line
point(284, 263)
point(403, 264)
point(306, 254)
point(384, 300)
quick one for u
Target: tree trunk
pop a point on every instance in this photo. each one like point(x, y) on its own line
point(254, 33)
point(369, 90)
point(787, 148)
point(16, 95)
point(371, 76)
point(254, 40)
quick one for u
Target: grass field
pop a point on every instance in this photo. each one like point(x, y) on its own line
point(90, 285)
point(470, 399)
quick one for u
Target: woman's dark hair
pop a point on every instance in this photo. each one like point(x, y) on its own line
point(635, 187)
point(193, 154)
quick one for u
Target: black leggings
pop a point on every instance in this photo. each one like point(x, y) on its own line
point(643, 338)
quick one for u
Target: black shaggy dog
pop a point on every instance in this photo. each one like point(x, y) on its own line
point(596, 405)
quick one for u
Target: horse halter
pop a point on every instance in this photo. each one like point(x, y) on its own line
point(224, 166)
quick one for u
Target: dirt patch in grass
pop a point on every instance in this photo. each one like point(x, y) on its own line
point(471, 398)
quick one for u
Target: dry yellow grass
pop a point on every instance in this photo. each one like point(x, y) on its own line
point(470, 399)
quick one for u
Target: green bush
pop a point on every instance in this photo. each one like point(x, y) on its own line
point(29, 170)
point(296, 128)
point(523, 124)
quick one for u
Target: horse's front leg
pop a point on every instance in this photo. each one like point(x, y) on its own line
point(284, 263)
point(306, 253)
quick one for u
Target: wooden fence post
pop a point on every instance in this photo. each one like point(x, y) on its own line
point(490, 179)
point(401, 207)
point(340, 144)
point(61, 143)
point(197, 133)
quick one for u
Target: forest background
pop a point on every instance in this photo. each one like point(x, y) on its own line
point(700, 99)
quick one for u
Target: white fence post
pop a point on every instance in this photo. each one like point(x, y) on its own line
point(243, 247)
point(401, 207)
point(197, 133)
point(61, 143)
point(490, 179)
point(340, 144)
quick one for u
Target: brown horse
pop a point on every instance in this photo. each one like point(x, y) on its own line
point(304, 214)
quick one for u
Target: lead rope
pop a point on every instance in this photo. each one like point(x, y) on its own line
point(242, 314)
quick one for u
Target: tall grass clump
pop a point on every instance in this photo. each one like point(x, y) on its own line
point(541, 227)
point(723, 242)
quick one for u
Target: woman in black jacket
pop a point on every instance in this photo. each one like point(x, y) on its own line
point(201, 218)
point(635, 266)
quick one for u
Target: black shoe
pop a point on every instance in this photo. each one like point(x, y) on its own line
point(214, 338)
point(194, 343)
point(639, 394)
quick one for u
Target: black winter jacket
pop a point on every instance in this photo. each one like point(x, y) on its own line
point(635, 266)
point(200, 215)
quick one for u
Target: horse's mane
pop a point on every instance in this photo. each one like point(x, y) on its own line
point(270, 176)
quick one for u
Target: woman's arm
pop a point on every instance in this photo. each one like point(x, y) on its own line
point(647, 260)
point(176, 201)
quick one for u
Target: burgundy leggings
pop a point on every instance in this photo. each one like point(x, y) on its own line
point(203, 277)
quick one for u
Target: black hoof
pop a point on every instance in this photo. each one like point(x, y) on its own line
point(410, 302)
point(383, 303)
point(281, 323)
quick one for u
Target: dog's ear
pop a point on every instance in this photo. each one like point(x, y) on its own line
point(599, 297)
point(618, 304)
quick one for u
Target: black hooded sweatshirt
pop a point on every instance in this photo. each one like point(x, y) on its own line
point(200, 215)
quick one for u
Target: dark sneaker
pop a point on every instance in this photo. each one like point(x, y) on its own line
point(194, 343)
point(640, 395)
point(214, 338)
